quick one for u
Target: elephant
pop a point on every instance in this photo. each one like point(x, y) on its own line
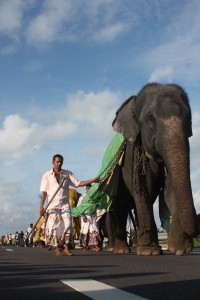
point(157, 124)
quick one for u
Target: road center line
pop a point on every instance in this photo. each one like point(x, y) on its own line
point(97, 290)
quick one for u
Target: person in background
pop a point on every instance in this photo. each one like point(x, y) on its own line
point(13, 239)
point(31, 236)
point(89, 234)
point(21, 239)
point(58, 227)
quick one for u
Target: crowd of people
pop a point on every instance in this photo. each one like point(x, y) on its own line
point(85, 232)
point(19, 238)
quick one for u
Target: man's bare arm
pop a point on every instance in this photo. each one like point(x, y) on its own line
point(83, 183)
point(43, 198)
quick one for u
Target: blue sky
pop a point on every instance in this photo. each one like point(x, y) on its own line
point(66, 66)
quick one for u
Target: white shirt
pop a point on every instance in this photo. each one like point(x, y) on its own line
point(49, 185)
point(80, 199)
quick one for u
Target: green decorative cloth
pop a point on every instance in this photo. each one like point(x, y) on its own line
point(101, 195)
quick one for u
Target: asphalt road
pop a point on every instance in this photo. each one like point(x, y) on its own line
point(36, 273)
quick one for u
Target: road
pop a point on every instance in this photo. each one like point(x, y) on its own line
point(36, 273)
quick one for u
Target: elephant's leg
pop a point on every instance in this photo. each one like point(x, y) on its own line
point(145, 195)
point(143, 176)
point(123, 204)
point(178, 241)
point(110, 228)
point(147, 237)
point(121, 245)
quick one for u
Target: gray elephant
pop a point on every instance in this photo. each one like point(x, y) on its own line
point(157, 125)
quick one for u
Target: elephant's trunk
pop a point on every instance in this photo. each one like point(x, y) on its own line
point(176, 158)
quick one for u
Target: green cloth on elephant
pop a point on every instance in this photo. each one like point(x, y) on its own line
point(101, 195)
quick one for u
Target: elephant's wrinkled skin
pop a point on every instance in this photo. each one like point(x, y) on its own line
point(157, 124)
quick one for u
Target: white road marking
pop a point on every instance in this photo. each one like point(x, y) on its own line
point(97, 290)
point(9, 249)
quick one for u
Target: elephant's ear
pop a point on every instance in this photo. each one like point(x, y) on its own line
point(125, 121)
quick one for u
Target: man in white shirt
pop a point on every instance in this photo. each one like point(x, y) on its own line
point(31, 232)
point(58, 219)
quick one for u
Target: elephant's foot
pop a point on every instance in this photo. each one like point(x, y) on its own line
point(111, 246)
point(149, 250)
point(110, 249)
point(121, 247)
point(147, 243)
point(180, 244)
point(122, 250)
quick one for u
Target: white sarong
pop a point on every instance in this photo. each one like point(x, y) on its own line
point(58, 226)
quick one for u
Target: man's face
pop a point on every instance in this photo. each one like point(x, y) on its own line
point(57, 163)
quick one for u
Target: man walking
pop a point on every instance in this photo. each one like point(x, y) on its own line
point(58, 217)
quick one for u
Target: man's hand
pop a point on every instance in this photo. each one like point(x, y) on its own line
point(41, 211)
point(96, 179)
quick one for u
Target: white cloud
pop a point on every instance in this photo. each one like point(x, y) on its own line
point(94, 150)
point(181, 56)
point(60, 20)
point(196, 118)
point(178, 47)
point(102, 21)
point(20, 139)
point(48, 25)
point(16, 214)
point(195, 143)
point(17, 130)
point(11, 24)
point(194, 149)
point(94, 111)
point(84, 114)
point(11, 13)
point(110, 33)
point(196, 197)
point(162, 74)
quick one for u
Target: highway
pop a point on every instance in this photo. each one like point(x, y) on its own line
point(36, 273)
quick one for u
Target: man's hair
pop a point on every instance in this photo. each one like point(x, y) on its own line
point(58, 155)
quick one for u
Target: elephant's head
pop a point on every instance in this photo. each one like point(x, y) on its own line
point(161, 116)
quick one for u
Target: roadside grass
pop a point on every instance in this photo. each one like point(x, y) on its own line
point(196, 241)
